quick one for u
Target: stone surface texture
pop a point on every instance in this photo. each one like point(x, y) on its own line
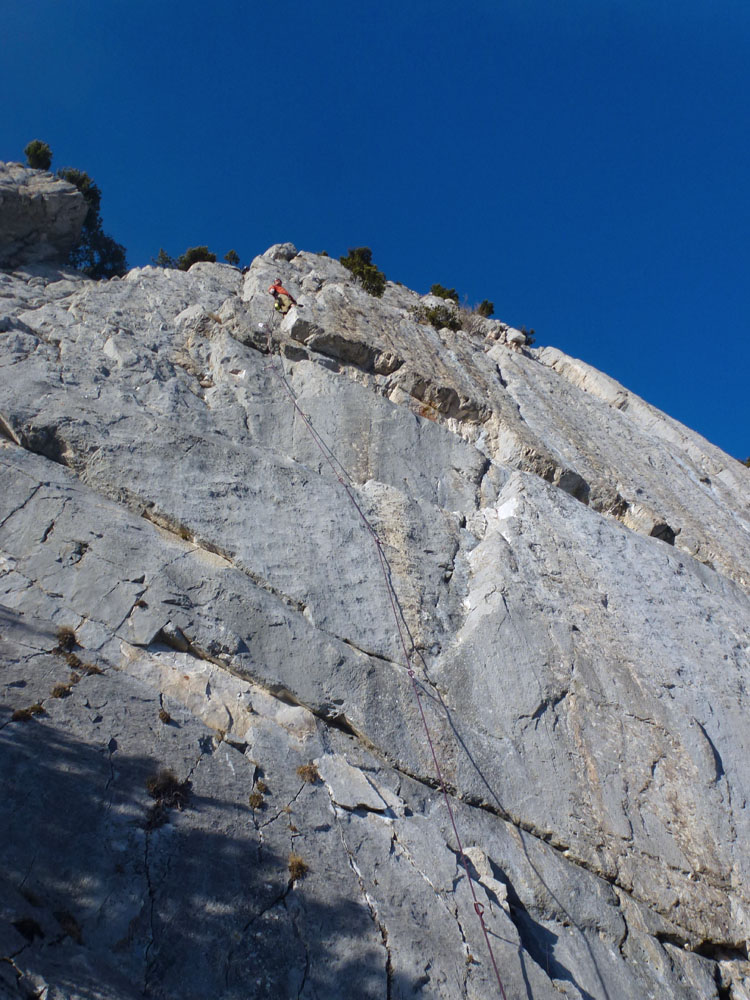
point(570, 566)
point(40, 216)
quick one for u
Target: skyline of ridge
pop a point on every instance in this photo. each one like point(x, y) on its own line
point(584, 169)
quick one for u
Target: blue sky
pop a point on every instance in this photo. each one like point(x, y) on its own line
point(584, 164)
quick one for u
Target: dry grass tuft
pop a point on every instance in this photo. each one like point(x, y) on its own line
point(166, 789)
point(164, 716)
point(69, 925)
point(66, 639)
point(309, 773)
point(169, 794)
point(61, 690)
point(27, 714)
point(91, 668)
point(297, 867)
point(255, 800)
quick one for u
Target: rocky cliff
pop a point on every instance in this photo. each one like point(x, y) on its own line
point(40, 216)
point(217, 776)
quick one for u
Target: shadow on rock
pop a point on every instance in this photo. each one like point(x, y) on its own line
point(96, 901)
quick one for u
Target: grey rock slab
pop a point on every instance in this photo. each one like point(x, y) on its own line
point(609, 436)
point(533, 410)
point(350, 788)
point(88, 441)
point(560, 664)
point(144, 581)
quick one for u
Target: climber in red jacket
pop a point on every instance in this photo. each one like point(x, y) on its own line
point(284, 299)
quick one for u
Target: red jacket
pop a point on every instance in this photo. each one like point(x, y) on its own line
point(278, 289)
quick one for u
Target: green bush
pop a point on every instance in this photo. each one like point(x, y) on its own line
point(232, 257)
point(439, 316)
point(486, 308)
point(96, 254)
point(359, 262)
point(444, 293)
point(103, 257)
point(193, 255)
point(38, 155)
point(747, 462)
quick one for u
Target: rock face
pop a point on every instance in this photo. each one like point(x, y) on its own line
point(217, 778)
point(40, 216)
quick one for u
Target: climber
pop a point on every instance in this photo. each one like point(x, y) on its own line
point(284, 299)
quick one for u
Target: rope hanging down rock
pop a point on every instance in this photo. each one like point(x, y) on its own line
point(347, 485)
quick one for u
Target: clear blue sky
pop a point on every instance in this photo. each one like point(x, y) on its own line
point(584, 164)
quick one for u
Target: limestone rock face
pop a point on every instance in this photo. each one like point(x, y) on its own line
point(40, 216)
point(218, 782)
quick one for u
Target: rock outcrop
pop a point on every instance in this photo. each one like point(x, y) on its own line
point(219, 783)
point(40, 216)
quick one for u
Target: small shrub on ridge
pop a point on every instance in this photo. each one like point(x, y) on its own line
point(444, 293)
point(193, 255)
point(162, 259)
point(359, 262)
point(38, 155)
point(439, 316)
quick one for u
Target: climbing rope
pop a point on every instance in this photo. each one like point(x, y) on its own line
point(347, 484)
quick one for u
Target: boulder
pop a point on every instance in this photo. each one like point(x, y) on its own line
point(40, 216)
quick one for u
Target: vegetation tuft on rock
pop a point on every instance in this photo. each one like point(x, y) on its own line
point(27, 714)
point(168, 790)
point(38, 155)
point(66, 639)
point(444, 293)
point(194, 254)
point(359, 262)
point(298, 868)
point(439, 317)
point(90, 669)
point(308, 773)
